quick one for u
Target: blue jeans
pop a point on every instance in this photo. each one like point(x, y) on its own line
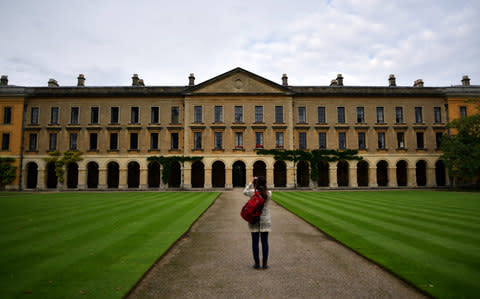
point(255, 238)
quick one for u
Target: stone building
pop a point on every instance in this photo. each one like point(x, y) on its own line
point(226, 120)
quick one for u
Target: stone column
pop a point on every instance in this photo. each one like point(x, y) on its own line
point(411, 177)
point(392, 177)
point(40, 179)
point(372, 177)
point(248, 174)
point(143, 178)
point(228, 178)
point(290, 174)
point(187, 175)
point(123, 178)
point(162, 185)
point(332, 168)
point(352, 175)
point(102, 178)
point(270, 182)
point(82, 179)
point(430, 172)
point(208, 178)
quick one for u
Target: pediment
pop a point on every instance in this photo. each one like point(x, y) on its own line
point(238, 81)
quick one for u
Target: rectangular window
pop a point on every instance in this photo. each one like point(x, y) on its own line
point(34, 116)
point(134, 141)
point(401, 140)
point(238, 114)
point(259, 139)
point(361, 141)
point(420, 144)
point(418, 115)
point(7, 115)
point(54, 115)
point(5, 141)
point(279, 140)
point(380, 116)
point(322, 140)
point(302, 117)
point(218, 140)
point(113, 141)
point(279, 114)
point(438, 139)
point(321, 115)
point(32, 146)
point(74, 115)
point(302, 140)
point(197, 112)
point(155, 115)
point(94, 115)
point(381, 140)
point(218, 114)
point(238, 140)
point(342, 140)
point(463, 111)
point(174, 141)
point(52, 144)
point(134, 115)
point(341, 115)
point(360, 115)
point(175, 115)
point(154, 141)
point(114, 115)
point(73, 141)
point(197, 140)
point(258, 114)
point(399, 115)
point(93, 141)
point(437, 114)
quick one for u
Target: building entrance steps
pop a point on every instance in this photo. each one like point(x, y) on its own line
point(215, 261)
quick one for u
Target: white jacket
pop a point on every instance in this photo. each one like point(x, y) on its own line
point(265, 224)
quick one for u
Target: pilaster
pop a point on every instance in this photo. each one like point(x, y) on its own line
point(392, 177)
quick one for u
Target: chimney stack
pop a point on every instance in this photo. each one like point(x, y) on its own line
point(140, 82)
point(191, 80)
point(333, 82)
point(135, 80)
point(52, 83)
point(284, 80)
point(465, 81)
point(339, 80)
point(418, 83)
point(392, 81)
point(4, 80)
point(81, 80)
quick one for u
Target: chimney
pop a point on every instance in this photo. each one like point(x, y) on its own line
point(465, 80)
point(191, 80)
point(4, 80)
point(140, 82)
point(333, 82)
point(339, 80)
point(284, 80)
point(135, 80)
point(392, 81)
point(81, 80)
point(52, 83)
point(418, 83)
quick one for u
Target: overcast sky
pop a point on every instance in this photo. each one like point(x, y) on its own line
point(311, 41)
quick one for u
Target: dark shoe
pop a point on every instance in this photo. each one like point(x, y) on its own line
point(256, 266)
point(265, 266)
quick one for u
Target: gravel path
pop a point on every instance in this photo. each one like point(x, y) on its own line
point(214, 261)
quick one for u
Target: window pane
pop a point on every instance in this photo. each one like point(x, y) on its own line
point(279, 114)
point(7, 115)
point(113, 141)
point(154, 117)
point(438, 139)
point(154, 141)
point(33, 142)
point(380, 118)
point(258, 114)
point(361, 140)
point(302, 140)
point(398, 115)
point(197, 114)
point(134, 141)
point(279, 139)
point(93, 141)
point(218, 140)
point(360, 115)
point(463, 111)
point(342, 140)
point(53, 142)
point(175, 115)
point(322, 140)
point(114, 115)
point(134, 115)
point(174, 140)
point(258, 139)
point(218, 114)
point(5, 141)
point(341, 115)
point(34, 116)
point(73, 141)
point(418, 115)
point(94, 115)
point(54, 115)
point(437, 114)
point(420, 144)
point(74, 115)
point(238, 140)
point(401, 140)
point(321, 115)
point(381, 140)
point(197, 140)
point(238, 114)
point(301, 115)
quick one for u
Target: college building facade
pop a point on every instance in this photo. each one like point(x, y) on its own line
point(226, 120)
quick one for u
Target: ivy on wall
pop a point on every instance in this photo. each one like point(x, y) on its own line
point(8, 172)
point(166, 162)
point(314, 157)
point(60, 161)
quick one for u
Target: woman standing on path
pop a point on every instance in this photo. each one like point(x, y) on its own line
point(260, 229)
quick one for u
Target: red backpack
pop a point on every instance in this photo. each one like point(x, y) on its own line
point(252, 210)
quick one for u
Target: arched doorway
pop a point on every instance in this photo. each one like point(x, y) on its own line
point(198, 175)
point(362, 174)
point(421, 173)
point(175, 176)
point(440, 176)
point(72, 175)
point(280, 174)
point(239, 174)
point(382, 173)
point(113, 174)
point(218, 174)
point(342, 174)
point(153, 174)
point(323, 174)
point(92, 175)
point(32, 175)
point(133, 180)
point(51, 175)
point(259, 169)
point(401, 173)
point(302, 174)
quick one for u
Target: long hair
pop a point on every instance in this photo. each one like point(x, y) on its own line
point(261, 186)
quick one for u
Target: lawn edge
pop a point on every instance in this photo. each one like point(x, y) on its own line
point(159, 259)
point(330, 237)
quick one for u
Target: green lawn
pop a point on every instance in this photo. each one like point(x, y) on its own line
point(96, 245)
point(429, 238)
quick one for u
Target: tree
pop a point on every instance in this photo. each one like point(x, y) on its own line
point(461, 152)
point(68, 157)
point(8, 172)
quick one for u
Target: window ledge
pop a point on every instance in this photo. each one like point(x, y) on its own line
point(113, 150)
